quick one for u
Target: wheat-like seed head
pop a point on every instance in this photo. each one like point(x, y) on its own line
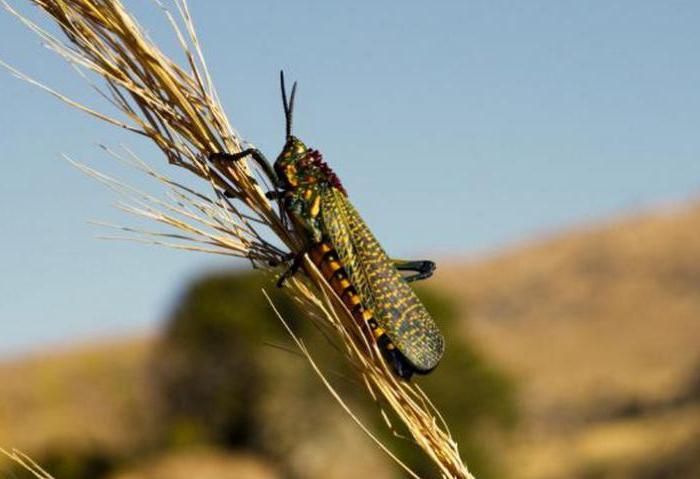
point(178, 108)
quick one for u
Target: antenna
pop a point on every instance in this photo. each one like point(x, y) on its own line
point(288, 105)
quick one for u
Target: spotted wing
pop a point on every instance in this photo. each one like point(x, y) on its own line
point(379, 284)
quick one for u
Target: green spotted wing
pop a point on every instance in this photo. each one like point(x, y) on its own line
point(379, 284)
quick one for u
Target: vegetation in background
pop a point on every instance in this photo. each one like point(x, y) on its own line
point(637, 417)
point(224, 376)
point(208, 370)
point(214, 370)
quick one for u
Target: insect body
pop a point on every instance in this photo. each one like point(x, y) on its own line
point(350, 258)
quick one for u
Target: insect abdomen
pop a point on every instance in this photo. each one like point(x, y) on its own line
point(326, 260)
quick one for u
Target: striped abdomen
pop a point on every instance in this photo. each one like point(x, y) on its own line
point(326, 260)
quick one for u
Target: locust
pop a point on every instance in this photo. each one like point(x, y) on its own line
point(343, 248)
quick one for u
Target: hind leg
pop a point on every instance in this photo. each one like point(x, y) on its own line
point(423, 268)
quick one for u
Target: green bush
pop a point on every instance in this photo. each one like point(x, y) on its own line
point(207, 370)
point(216, 375)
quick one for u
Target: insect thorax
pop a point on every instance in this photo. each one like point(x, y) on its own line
point(304, 177)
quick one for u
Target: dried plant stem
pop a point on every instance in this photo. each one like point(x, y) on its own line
point(178, 108)
point(26, 462)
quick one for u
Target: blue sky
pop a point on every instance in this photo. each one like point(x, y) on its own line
point(457, 127)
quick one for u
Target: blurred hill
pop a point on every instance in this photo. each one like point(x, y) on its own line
point(600, 327)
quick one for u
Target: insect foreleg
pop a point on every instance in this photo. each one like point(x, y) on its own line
point(267, 168)
point(257, 156)
point(270, 195)
point(423, 268)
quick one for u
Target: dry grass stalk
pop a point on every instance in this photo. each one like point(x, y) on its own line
point(26, 462)
point(179, 110)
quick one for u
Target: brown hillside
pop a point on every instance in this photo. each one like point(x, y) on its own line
point(599, 326)
point(88, 397)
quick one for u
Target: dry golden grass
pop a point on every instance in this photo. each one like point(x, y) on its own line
point(178, 109)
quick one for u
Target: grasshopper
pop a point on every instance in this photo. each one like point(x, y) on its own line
point(348, 255)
